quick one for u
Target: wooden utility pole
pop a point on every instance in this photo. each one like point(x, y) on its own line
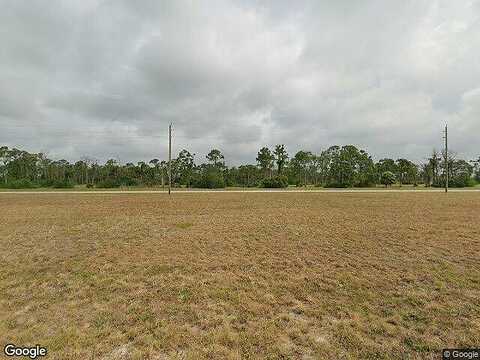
point(169, 158)
point(446, 158)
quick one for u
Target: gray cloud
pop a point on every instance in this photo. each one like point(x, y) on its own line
point(105, 78)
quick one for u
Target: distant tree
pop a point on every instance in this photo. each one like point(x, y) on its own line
point(476, 169)
point(406, 172)
point(388, 178)
point(315, 168)
point(216, 157)
point(209, 176)
point(426, 174)
point(365, 170)
point(185, 167)
point(332, 155)
point(248, 175)
point(175, 171)
point(3, 165)
point(89, 168)
point(63, 168)
point(281, 157)
point(143, 171)
point(154, 162)
point(301, 164)
point(19, 164)
point(385, 165)
point(43, 166)
point(336, 166)
point(265, 160)
point(231, 176)
point(163, 171)
point(278, 181)
point(128, 174)
point(460, 173)
point(79, 172)
point(350, 167)
point(155, 170)
point(434, 163)
point(323, 163)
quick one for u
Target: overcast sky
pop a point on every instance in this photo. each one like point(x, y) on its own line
point(103, 78)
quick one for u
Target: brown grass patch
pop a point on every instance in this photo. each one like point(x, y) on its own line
point(312, 276)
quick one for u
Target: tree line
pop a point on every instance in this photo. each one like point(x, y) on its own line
point(337, 166)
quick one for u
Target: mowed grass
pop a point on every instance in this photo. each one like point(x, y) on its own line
point(219, 276)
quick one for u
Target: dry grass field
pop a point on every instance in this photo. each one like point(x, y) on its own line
point(230, 276)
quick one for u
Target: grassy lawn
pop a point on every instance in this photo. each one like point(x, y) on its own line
point(292, 276)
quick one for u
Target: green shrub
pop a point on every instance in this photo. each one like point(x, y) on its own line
point(471, 183)
point(299, 183)
point(337, 185)
point(62, 184)
point(275, 182)
point(365, 184)
point(388, 178)
point(210, 180)
point(457, 182)
point(229, 182)
point(463, 182)
point(46, 183)
point(128, 181)
point(108, 184)
point(20, 184)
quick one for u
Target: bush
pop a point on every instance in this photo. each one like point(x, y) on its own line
point(108, 184)
point(337, 185)
point(46, 183)
point(388, 178)
point(275, 182)
point(229, 182)
point(128, 181)
point(365, 184)
point(457, 182)
point(210, 180)
point(462, 182)
point(19, 184)
point(472, 183)
point(62, 184)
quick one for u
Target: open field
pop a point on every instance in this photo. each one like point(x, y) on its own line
point(252, 275)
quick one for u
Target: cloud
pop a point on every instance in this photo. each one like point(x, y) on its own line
point(105, 78)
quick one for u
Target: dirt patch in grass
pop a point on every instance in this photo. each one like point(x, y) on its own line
point(214, 276)
point(184, 225)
